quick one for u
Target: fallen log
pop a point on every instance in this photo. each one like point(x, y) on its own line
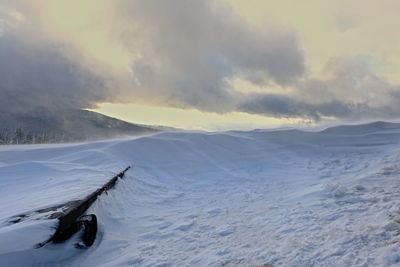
point(71, 218)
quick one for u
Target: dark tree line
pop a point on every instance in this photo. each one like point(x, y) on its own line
point(21, 136)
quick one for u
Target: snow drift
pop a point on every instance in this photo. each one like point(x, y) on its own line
point(288, 198)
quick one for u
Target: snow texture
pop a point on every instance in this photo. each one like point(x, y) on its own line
point(287, 198)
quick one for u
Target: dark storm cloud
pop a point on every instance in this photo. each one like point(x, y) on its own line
point(189, 49)
point(36, 74)
point(281, 106)
point(349, 91)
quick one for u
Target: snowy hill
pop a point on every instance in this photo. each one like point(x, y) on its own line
point(363, 128)
point(287, 198)
point(49, 126)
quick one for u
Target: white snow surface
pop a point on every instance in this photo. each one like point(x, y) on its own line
point(287, 198)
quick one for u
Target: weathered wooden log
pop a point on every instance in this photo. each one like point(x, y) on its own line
point(70, 220)
point(89, 225)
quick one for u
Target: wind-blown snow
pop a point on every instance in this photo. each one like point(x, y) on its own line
point(288, 198)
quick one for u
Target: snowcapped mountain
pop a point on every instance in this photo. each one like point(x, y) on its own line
point(287, 198)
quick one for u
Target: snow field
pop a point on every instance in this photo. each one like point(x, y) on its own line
point(289, 198)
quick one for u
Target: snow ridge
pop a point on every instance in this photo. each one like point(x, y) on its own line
point(288, 198)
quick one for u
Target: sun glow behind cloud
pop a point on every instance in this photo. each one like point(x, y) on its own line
point(86, 25)
point(194, 119)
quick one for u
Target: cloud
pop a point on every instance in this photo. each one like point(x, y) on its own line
point(181, 53)
point(38, 72)
point(187, 50)
point(176, 53)
point(282, 106)
point(40, 75)
point(345, 22)
point(349, 91)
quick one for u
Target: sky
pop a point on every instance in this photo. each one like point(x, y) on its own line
point(204, 64)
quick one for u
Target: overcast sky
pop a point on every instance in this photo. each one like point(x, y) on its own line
point(208, 64)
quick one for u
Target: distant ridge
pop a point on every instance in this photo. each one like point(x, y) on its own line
point(362, 128)
point(72, 125)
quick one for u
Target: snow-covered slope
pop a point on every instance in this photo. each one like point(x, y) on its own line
point(288, 198)
point(43, 125)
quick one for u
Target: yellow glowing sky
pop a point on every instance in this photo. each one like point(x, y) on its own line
point(325, 29)
point(192, 119)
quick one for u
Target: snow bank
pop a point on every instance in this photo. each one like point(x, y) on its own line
point(289, 198)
